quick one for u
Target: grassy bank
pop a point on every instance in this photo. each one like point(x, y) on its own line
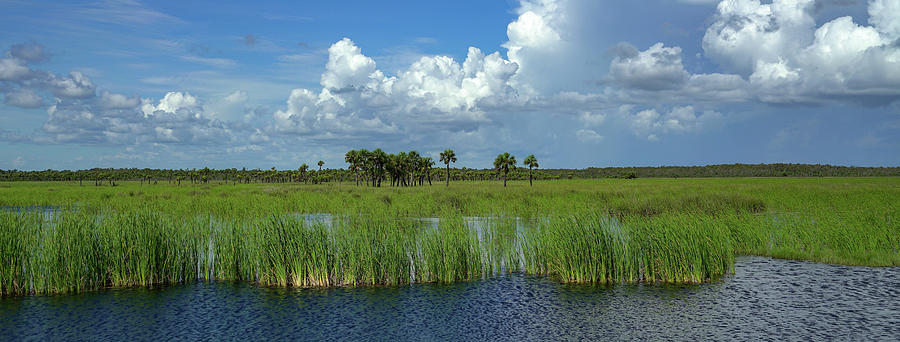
point(657, 230)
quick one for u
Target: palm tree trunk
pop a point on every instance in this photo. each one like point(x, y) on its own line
point(448, 174)
point(530, 181)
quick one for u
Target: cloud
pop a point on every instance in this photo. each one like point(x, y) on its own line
point(885, 16)
point(656, 68)
point(118, 101)
point(18, 162)
point(588, 136)
point(357, 98)
point(170, 103)
point(747, 31)
point(124, 12)
point(211, 61)
point(176, 119)
point(592, 119)
point(788, 59)
point(13, 69)
point(29, 52)
point(348, 68)
point(537, 47)
point(774, 53)
point(554, 70)
point(441, 83)
point(327, 116)
point(651, 124)
point(25, 98)
point(232, 107)
point(75, 86)
point(235, 97)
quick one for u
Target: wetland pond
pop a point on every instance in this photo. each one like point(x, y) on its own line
point(765, 299)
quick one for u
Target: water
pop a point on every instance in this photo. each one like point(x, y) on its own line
point(46, 211)
point(766, 299)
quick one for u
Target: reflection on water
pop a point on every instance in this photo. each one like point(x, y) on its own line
point(47, 212)
point(764, 299)
point(315, 218)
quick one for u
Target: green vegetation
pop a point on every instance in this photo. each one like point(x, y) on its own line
point(366, 164)
point(729, 170)
point(447, 157)
point(531, 162)
point(503, 164)
point(58, 237)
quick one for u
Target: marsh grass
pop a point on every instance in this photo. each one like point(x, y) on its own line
point(75, 252)
point(684, 231)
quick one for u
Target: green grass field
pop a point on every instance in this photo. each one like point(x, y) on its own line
point(76, 238)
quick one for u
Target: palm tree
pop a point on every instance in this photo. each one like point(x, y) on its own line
point(364, 163)
point(302, 169)
point(427, 164)
point(503, 163)
point(412, 167)
point(531, 162)
point(447, 157)
point(320, 163)
point(379, 161)
point(353, 158)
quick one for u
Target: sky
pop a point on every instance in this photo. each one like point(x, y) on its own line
point(577, 83)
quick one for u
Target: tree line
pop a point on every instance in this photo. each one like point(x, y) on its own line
point(411, 168)
point(728, 170)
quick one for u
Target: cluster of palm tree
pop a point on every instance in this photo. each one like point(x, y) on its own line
point(402, 169)
point(505, 162)
point(410, 168)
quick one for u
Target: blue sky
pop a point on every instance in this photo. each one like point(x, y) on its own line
point(578, 83)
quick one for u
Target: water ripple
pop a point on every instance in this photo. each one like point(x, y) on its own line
point(766, 299)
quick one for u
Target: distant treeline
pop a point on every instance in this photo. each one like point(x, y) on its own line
point(396, 177)
point(729, 170)
point(428, 173)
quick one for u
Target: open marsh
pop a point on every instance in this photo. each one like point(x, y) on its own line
point(605, 231)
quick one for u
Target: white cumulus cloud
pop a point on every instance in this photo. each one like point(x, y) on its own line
point(170, 103)
point(357, 98)
point(788, 59)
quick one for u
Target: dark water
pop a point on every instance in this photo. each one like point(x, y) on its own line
point(766, 299)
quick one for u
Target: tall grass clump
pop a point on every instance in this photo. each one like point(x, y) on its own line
point(502, 242)
point(450, 252)
point(681, 248)
point(294, 254)
point(15, 239)
point(593, 248)
point(579, 249)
